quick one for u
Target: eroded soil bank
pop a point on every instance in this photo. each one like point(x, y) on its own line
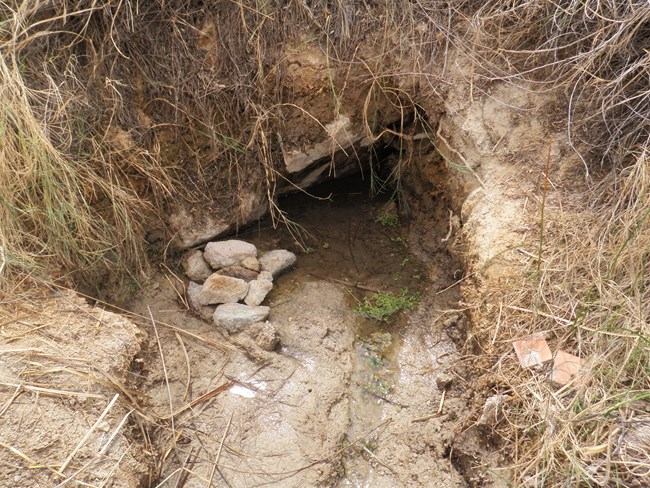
point(344, 400)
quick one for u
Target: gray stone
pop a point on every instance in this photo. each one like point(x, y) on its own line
point(444, 381)
point(228, 253)
point(277, 261)
point(199, 222)
point(265, 275)
point(257, 291)
point(193, 290)
point(492, 410)
point(222, 289)
point(265, 335)
point(195, 266)
point(204, 311)
point(238, 272)
point(234, 316)
point(251, 263)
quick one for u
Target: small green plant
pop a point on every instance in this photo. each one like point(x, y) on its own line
point(388, 220)
point(399, 240)
point(377, 342)
point(375, 361)
point(378, 387)
point(381, 306)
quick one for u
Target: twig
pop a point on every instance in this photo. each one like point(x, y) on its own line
point(216, 459)
point(426, 417)
point(3, 258)
point(190, 460)
point(128, 313)
point(460, 156)
point(381, 397)
point(541, 220)
point(117, 429)
point(162, 358)
point(374, 456)
point(345, 283)
point(202, 398)
point(17, 392)
point(33, 463)
point(53, 392)
point(187, 364)
point(451, 226)
point(547, 315)
point(88, 434)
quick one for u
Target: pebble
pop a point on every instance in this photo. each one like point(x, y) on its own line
point(265, 275)
point(257, 291)
point(444, 381)
point(238, 272)
point(265, 335)
point(195, 266)
point(204, 311)
point(222, 289)
point(234, 316)
point(251, 263)
point(277, 261)
point(228, 253)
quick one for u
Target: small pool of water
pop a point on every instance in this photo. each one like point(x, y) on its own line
point(342, 235)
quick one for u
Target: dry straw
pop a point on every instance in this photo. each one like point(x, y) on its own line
point(586, 285)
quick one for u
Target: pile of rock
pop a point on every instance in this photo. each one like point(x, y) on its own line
point(232, 273)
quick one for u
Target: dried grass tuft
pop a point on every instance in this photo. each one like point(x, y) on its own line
point(588, 295)
point(69, 200)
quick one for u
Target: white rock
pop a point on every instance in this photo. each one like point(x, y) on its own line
point(195, 266)
point(277, 261)
point(265, 275)
point(491, 410)
point(234, 316)
point(257, 291)
point(222, 289)
point(251, 263)
point(205, 311)
point(228, 253)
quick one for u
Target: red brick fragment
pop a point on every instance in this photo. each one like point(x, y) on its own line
point(566, 368)
point(532, 353)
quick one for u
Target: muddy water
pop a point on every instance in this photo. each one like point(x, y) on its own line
point(346, 237)
point(346, 401)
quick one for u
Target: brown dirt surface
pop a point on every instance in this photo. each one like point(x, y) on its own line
point(305, 414)
point(65, 409)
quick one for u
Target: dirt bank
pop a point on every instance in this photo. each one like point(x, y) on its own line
point(68, 412)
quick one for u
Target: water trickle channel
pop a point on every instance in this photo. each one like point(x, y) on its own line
point(362, 244)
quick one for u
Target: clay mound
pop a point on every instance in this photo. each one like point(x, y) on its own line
point(65, 410)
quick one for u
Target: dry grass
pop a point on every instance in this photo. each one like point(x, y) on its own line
point(589, 298)
point(70, 200)
point(587, 291)
point(67, 411)
point(592, 53)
